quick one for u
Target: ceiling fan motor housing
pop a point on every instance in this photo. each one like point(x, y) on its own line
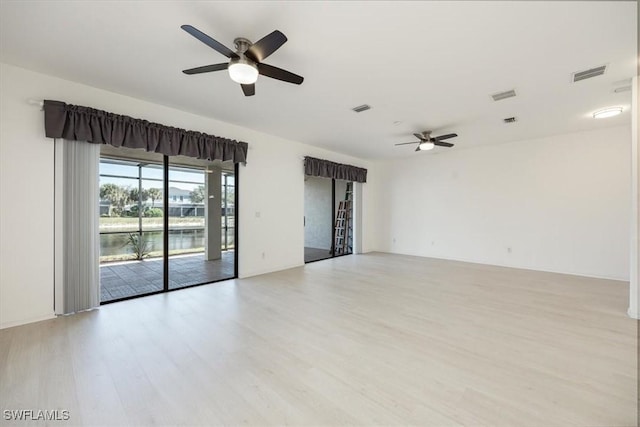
point(242, 45)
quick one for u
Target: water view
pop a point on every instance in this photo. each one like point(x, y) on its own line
point(118, 246)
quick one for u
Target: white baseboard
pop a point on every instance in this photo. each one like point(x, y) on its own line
point(247, 274)
point(516, 266)
point(26, 321)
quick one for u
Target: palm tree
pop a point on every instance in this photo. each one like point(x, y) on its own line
point(134, 194)
point(154, 194)
point(116, 195)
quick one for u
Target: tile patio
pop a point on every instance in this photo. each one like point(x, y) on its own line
point(132, 278)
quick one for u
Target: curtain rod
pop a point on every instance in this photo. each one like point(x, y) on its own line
point(36, 102)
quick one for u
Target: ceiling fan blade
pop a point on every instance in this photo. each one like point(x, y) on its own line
point(213, 44)
point(442, 144)
point(279, 74)
point(249, 90)
point(447, 136)
point(266, 46)
point(407, 143)
point(420, 137)
point(206, 68)
point(418, 148)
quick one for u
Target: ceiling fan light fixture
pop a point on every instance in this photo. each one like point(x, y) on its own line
point(607, 112)
point(243, 71)
point(424, 146)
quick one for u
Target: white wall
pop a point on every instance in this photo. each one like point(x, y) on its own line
point(273, 179)
point(556, 204)
point(317, 212)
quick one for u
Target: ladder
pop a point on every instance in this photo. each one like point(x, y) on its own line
point(343, 230)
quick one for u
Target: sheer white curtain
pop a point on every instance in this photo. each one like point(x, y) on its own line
point(77, 236)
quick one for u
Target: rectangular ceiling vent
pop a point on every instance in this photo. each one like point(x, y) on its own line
point(587, 74)
point(503, 95)
point(361, 108)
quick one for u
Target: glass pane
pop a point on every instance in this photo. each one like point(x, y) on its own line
point(228, 210)
point(126, 246)
point(344, 218)
point(153, 172)
point(153, 205)
point(130, 264)
point(231, 239)
point(186, 241)
point(183, 174)
point(196, 216)
point(118, 168)
point(130, 260)
point(117, 196)
point(318, 227)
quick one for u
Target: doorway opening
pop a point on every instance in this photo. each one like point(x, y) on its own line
point(328, 218)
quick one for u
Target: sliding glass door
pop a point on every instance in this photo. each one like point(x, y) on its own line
point(328, 218)
point(165, 223)
point(343, 214)
point(201, 224)
point(318, 214)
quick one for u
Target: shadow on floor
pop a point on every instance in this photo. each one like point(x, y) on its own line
point(316, 254)
point(133, 278)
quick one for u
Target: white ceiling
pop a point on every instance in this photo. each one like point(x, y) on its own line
point(426, 65)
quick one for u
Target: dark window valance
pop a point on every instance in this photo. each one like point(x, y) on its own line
point(78, 123)
point(327, 169)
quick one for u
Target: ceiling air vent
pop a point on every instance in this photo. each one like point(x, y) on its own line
point(510, 120)
point(361, 108)
point(503, 95)
point(587, 74)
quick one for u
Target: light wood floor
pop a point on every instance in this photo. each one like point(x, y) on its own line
point(364, 340)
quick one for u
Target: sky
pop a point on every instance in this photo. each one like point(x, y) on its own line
point(152, 175)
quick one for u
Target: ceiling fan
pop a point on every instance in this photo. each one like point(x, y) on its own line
point(246, 62)
point(427, 142)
